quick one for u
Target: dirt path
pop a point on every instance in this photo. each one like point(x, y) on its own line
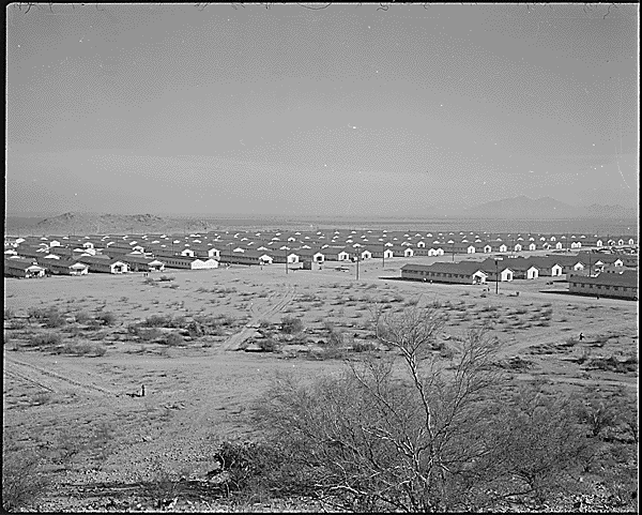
point(594, 382)
point(9, 371)
point(276, 304)
point(48, 380)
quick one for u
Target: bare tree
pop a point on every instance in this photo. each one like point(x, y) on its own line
point(407, 430)
point(386, 435)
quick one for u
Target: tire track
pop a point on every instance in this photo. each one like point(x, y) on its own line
point(28, 371)
point(17, 375)
point(236, 340)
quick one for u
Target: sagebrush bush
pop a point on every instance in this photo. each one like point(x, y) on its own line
point(53, 318)
point(196, 329)
point(291, 325)
point(598, 414)
point(82, 317)
point(48, 339)
point(360, 346)
point(258, 470)
point(83, 348)
point(157, 321)
point(268, 344)
point(106, 317)
point(144, 333)
point(613, 364)
point(17, 323)
point(327, 353)
point(335, 338)
point(23, 483)
point(37, 312)
point(173, 340)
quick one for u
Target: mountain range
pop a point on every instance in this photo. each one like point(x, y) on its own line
point(526, 208)
point(510, 209)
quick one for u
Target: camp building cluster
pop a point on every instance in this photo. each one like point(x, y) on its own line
point(600, 264)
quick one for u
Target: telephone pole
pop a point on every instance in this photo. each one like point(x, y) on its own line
point(590, 270)
point(496, 276)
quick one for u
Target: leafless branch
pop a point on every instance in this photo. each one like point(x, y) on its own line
point(318, 8)
point(608, 11)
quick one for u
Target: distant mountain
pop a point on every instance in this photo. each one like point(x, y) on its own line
point(524, 208)
point(615, 211)
point(107, 223)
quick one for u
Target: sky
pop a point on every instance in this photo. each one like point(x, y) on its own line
point(350, 110)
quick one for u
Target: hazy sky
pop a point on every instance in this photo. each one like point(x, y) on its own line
point(348, 110)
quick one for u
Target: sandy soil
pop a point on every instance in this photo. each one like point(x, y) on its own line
point(198, 394)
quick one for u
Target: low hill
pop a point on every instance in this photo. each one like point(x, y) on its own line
point(107, 223)
point(90, 223)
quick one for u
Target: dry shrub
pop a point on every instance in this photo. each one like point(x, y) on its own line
point(360, 346)
point(173, 340)
point(23, 483)
point(16, 323)
point(143, 333)
point(327, 353)
point(106, 317)
point(37, 312)
point(613, 364)
point(157, 321)
point(82, 317)
point(53, 318)
point(370, 440)
point(291, 325)
point(48, 339)
point(83, 348)
point(268, 344)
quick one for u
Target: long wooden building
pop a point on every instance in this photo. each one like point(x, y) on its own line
point(463, 272)
point(622, 285)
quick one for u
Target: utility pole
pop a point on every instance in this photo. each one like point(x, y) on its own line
point(383, 255)
point(590, 270)
point(286, 261)
point(358, 259)
point(496, 276)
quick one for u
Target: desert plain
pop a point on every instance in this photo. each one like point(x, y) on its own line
point(78, 401)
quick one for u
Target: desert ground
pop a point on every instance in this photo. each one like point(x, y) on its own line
point(75, 400)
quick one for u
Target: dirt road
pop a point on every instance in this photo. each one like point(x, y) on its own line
point(276, 303)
